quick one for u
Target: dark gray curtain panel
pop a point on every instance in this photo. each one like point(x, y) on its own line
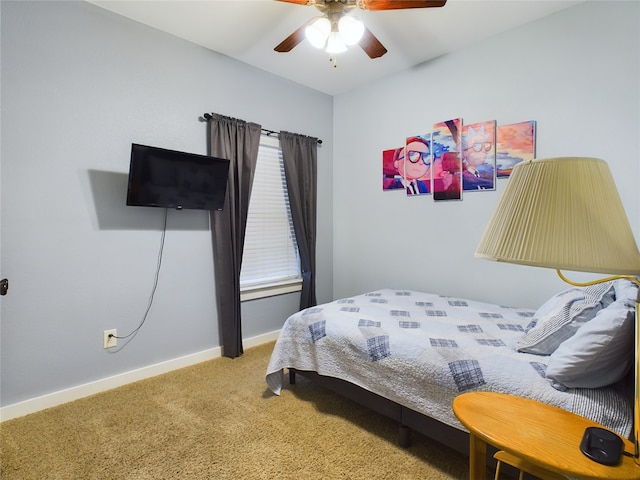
point(237, 141)
point(300, 157)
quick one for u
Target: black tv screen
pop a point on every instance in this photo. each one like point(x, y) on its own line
point(167, 178)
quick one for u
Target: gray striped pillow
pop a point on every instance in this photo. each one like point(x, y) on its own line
point(561, 316)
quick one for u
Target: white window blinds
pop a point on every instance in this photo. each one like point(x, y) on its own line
point(270, 254)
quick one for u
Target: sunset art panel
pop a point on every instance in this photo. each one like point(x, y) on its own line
point(515, 144)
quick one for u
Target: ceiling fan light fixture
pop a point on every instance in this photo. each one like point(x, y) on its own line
point(335, 43)
point(318, 32)
point(351, 29)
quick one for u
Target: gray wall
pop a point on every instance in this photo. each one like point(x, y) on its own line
point(79, 85)
point(576, 73)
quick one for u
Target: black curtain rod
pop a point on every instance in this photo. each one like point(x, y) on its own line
point(268, 133)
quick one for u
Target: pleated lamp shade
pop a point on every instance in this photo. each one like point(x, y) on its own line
point(562, 213)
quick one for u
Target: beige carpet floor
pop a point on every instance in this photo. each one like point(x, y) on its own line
point(217, 420)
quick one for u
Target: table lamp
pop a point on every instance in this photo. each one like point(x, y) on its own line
point(565, 213)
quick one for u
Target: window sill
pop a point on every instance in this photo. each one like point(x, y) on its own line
point(263, 291)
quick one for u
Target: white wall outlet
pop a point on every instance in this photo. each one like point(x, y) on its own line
point(109, 338)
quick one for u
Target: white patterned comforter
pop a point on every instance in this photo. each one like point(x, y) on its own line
point(421, 350)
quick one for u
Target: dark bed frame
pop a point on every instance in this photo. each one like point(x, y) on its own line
point(407, 419)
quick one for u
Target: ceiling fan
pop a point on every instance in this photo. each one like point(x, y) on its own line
point(334, 30)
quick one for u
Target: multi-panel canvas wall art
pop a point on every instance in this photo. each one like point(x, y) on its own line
point(455, 158)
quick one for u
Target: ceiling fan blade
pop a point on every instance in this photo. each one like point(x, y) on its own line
point(371, 45)
point(297, 2)
point(399, 4)
point(292, 40)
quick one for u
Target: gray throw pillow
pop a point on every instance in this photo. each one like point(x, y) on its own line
point(601, 351)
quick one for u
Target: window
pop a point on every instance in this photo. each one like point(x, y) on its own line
point(270, 261)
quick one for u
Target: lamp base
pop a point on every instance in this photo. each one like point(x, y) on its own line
point(601, 446)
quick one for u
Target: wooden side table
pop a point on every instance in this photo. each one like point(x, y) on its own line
point(537, 433)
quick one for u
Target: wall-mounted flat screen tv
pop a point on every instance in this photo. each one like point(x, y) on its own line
point(170, 179)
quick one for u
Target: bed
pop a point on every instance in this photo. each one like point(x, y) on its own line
point(407, 354)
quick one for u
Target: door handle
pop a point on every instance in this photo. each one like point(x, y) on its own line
point(4, 286)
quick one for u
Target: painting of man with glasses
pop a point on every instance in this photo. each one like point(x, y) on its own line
point(479, 156)
point(413, 163)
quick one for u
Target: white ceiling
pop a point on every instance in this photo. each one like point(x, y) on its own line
point(248, 30)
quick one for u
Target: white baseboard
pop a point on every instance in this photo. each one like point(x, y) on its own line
point(74, 393)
